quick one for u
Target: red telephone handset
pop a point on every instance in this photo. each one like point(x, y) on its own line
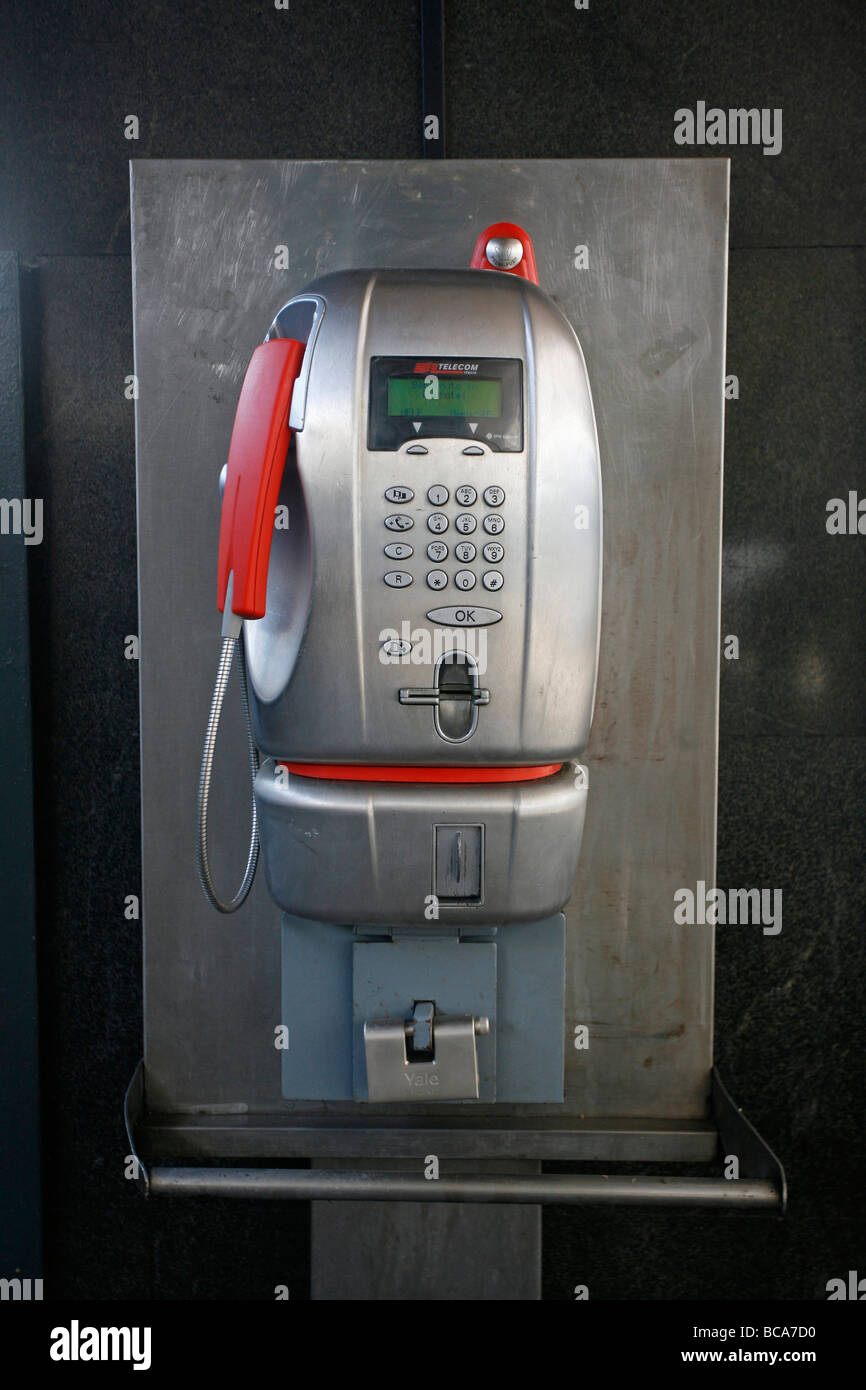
point(257, 454)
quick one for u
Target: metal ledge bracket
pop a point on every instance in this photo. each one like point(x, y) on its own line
point(760, 1187)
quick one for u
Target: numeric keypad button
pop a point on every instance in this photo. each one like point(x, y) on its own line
point(398, 579)
point(465, 551)
point(437, 579)
point(494, 496)
point(493, 552)
point(466, 495)
point(492, 580)
point(465, 523)
point(437, 550)
point(399, 522)
point(437, 495)
point(437, 522)
point(464, 579)
point(493, 524)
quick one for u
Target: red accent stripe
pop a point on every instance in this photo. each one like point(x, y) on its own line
point(341, 772)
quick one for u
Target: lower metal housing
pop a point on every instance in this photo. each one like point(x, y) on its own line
point(376, 852)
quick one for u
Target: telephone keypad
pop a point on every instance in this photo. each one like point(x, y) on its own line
point(465, 552)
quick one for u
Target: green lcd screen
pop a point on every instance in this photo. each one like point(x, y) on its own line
point(418, 396)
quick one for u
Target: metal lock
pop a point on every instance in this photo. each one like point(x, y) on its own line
point(426, 1058)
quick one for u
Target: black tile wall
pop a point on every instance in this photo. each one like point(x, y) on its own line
point(245, 80)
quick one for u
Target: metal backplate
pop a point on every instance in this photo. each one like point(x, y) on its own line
point(647, 300)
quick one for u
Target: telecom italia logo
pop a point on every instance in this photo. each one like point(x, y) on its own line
point(447, 368)
point(77, 1343)
point(736, 126)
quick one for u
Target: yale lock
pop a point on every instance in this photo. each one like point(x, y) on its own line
point(427, 1057)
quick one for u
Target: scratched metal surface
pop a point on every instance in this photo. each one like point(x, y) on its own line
point(650, 313)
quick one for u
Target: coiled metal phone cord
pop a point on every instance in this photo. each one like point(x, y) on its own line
point(204, 872)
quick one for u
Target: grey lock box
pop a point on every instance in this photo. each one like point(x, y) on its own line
point(459, 977)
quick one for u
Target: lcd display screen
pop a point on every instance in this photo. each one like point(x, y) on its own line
point(449, 397)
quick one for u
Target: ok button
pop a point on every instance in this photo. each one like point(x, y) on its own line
point(464, 617)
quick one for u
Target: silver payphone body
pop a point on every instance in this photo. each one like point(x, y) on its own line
point(411, 534)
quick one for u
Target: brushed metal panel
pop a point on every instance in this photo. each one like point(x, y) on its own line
point(650, 314)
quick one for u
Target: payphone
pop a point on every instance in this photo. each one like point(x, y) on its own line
point(410, 577)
